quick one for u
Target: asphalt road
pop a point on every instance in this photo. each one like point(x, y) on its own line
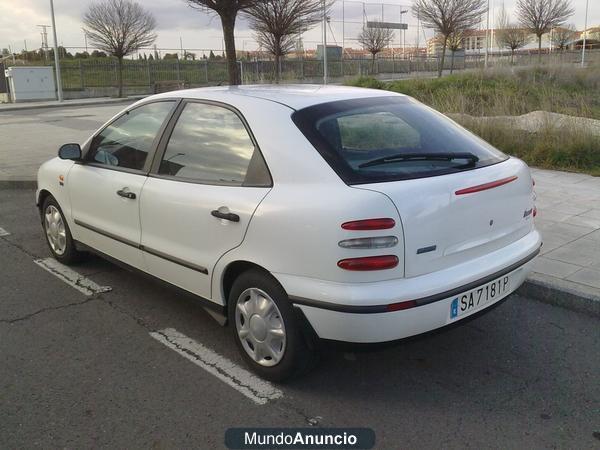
point(79, 371)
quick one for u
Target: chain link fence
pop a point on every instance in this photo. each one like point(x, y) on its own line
point(96, 77)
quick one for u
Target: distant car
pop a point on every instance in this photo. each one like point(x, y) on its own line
point(299, 212)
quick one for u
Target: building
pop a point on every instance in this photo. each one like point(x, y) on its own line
point(334, 52)
point(474, 41)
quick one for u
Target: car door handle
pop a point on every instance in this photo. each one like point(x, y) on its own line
point(126, 194)
point(226, 216)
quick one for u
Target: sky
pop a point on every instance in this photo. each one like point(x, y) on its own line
point(197, 30)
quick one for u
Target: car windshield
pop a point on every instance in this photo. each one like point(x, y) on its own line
point(380, 139)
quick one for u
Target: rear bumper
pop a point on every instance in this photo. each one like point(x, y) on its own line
point(358, 312)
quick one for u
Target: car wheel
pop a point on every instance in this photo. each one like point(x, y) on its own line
point(266, 329)
point(58, 235)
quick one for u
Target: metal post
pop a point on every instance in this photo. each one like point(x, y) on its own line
point(584, 35)
point(85, 39)
point(242, 71)
point(343, 34)
point(148, 72)
point(81, 82)
point(56, 58)
point(487, 30)
point(418, 26)
point(324, 42)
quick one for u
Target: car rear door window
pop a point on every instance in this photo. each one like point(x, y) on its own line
point(210, 144)
point(127, 141)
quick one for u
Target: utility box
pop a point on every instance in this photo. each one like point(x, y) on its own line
point(3, 86)
point(30, 83)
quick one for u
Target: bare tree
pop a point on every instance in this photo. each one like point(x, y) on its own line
point(374, 40)
point(509, 34)
point(540, 16)
point(227, 11)
point(119, 28)
point(277, 23)
point(561, 36)
point(447, 17)
point(455, 43)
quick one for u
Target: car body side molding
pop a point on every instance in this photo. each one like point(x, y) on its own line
point(151, 251)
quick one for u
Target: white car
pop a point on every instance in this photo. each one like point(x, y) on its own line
point(299, 212)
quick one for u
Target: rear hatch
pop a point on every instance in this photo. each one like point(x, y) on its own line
point(457, 217)
point(458, 197)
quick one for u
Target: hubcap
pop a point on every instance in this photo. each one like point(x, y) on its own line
point(55, 230)
point(260, 327)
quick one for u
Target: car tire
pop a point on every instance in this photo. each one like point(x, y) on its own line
point(269, 353)
point(57, 232)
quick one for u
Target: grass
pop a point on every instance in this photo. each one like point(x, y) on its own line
point(549, 148)
point(565, 90)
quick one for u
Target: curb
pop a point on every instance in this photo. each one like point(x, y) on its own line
point(566, 294)
point(70, 103)
point(18, 184)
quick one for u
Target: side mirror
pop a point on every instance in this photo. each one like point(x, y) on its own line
point(70, 151)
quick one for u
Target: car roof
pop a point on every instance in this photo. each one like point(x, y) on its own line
point(295, 96)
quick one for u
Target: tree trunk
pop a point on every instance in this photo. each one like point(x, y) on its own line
point(373, 63)
point(277, 68)
point(441, 68)
point(228, 23)
point(452, 63)
point(512, 56)
point(120, 76)
point(540, 49)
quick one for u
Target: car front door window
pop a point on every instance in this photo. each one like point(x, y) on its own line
point(126, 142)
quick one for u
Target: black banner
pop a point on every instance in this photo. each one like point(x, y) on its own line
point(299, 438)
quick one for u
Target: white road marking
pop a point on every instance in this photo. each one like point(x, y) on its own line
point(3, 232)
point(72, 278)
point(256, 389)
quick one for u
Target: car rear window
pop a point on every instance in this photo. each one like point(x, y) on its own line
point(379, 139)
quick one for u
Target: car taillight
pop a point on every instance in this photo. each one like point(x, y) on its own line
point(369, 242)
point(369, 263)
point(369, 224)
point(401, 305)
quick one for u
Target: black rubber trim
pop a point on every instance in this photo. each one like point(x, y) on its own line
point(151, 251)
point(377, 309)
point(378, 346)
point(175, 260)
point(120, 239)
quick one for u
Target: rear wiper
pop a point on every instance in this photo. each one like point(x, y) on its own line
point(420, 157)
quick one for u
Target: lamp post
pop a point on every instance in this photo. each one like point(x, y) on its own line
point(487, 30)
point(584, 35)
point(85, 39)
point(324, 42)
point(56, 58)
point(402, 12)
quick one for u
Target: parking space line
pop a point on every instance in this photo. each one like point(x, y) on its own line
point(3, 232)
point(257, 390)
point(69, 276)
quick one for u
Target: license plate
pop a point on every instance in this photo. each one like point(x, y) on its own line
point(478, 298)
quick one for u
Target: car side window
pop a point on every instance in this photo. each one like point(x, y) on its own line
point(210, 144)
point(127, 141)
